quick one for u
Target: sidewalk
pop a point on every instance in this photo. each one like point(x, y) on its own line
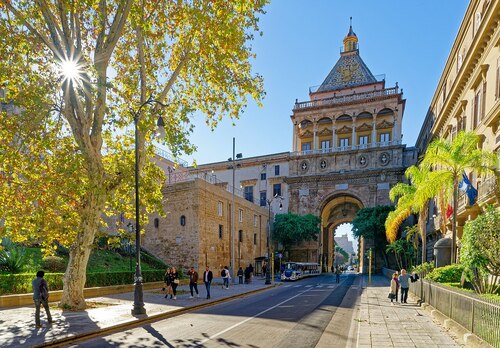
point(17, 325)
point(380, 324)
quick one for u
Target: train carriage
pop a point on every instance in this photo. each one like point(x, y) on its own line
point(299, 270)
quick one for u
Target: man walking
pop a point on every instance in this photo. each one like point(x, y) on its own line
point(337, 274)
point(403, 283)
point(41, 297)
point(193, 281)
point(207, 279)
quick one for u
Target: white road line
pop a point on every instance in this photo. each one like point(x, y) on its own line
point(248, 319)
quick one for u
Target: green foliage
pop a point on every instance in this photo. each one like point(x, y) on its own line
point(13, 257)
point(21, 283)
point(291, 228)
point(480, 252)
point(53, 264)
point(153, 261)
point(370, 222)
point(423, 268)
point(446, 274)
point(342, 252)
point(403, 251)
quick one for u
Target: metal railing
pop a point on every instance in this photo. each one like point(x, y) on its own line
point(478, 315)
point(347, 98)
point(487, 187)
point(168, 156)
point(345, 148)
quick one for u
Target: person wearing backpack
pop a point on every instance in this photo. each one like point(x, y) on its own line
point(225, 277)
point(41, 297)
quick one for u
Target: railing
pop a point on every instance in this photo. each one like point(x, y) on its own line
point(345, 148)
point(347, 98)
point(479, 316)
point(170, 157)
point(487, 187)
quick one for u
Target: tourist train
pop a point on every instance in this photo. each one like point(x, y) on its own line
point(299, 270)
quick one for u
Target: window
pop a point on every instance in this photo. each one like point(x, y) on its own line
point(221, 230)
point(219, 208)
point(263, 197)
point(325, 145)
point(306, 147)
point(183, 220)
point(157, 222)
point(344, 142)
point(248, 192)
point(276, 190)
point(255, 239)
point(459, 61)
point(444, 92)
point(476, 105)
point(385, 137)
point(277, 170)
point(240, 236)
point(241, 215)
point(262, 176)
point(363, 140)
point(255, 221)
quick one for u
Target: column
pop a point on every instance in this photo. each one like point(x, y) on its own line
point(334, 137)
point(295, 136)
point(396, 135)
point(315, 139)
point(374, 132)
point(353, 134)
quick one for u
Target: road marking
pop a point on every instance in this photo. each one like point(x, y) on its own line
point(297, 286)
point(308, 286)
point(248, 319)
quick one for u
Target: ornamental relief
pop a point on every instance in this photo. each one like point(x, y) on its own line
point(344, 130)
point(364, 127)
point(385, 124)
point(306, 134)
point(325, 131)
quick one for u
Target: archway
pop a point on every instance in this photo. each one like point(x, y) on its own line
point(338, 209)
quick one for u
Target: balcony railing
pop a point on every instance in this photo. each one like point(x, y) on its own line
point(168, 156)
point(487, 188)
point(347, 98)
point(345, 148)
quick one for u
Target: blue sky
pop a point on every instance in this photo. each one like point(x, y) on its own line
point(408, 41)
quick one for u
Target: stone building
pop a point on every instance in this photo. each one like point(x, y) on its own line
point(347, 154)
point(197, 229)
point(467, 97)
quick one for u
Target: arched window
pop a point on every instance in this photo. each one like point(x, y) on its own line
point(157, 222)
point(183, 220)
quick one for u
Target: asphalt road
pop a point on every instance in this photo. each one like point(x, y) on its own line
point(292, 315)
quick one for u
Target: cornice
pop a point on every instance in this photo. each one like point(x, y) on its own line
point(338, 177)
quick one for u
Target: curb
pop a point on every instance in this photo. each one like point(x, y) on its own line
point(141, 321)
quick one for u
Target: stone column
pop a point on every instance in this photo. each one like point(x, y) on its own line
point(374, 131)
point(295, 136)
point(315, 139)
point(334, 137)
point(353, 134)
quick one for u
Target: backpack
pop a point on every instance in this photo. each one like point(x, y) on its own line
point(44, 290)
point(223, 273)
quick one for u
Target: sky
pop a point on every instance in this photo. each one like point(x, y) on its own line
point(408, 41)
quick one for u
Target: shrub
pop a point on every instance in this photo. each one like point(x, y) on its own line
point(53, 264)
point(446, 274)
point(13, 258)
point(424, 268)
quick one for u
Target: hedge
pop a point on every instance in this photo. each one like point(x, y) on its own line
point(446, 274)
point(21, 283)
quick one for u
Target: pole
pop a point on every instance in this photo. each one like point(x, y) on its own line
point(231, 265)
point(138, 295)
point(268, 275)
point(370, 267)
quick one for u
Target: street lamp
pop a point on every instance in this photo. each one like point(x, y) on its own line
point(233, 166)
point(138, 295)
point(270, 265)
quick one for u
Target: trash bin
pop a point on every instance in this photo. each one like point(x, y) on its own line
point(442, 252)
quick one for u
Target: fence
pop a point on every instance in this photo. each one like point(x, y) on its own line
point(479, 316)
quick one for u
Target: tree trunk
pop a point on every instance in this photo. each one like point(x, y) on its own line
point(454, 226)
point(422, 221)
point(76, 272)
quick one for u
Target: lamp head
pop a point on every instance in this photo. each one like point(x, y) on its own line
point(161, 128)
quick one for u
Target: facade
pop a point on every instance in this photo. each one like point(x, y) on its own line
point(197, 229)
point(468, 98)
point(347, 154)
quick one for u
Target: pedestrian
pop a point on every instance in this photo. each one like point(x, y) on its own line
point(333, 269)
point(397, 285)
point(240, 275)
point(251, 270)
point(247, 275)
point(193, 282)
point(41, 297)
point(404, 284)
point(225, 277)
point(174, 281)
point(337, 274)
point(207, 279)
point(168, 283)
point(264, 269)
point(394, 288)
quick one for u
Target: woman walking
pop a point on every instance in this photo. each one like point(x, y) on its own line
point(168, 283)
point(394, 288)
point(174, 281)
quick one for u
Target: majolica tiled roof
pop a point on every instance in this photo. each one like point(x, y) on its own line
point(349, 71)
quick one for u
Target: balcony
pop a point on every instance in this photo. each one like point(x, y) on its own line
point(365, 96)
point(487, 189)
point(345, 148)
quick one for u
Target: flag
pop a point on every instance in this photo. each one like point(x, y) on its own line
point(449, 211)
point(466, 186)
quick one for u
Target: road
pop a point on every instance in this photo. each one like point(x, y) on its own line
point(294, 314)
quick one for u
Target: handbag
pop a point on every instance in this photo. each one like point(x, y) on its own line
point(176, 281)
point(391, 296)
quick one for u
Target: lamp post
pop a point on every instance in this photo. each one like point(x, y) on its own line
point(270, 264)
point(138, 307)
point(233, 166)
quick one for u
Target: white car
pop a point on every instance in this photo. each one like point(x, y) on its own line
point(350, 268)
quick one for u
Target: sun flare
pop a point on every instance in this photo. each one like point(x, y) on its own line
point(70, 70)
